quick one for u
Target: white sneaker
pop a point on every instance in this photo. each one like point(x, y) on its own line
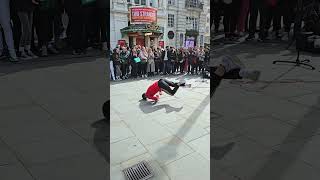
point(285, 37)
point(53, 50)
point(24, 56)
point(30, 53)
point(44, 52)
point(254, 75)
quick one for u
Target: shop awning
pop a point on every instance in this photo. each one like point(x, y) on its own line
point(142, 28)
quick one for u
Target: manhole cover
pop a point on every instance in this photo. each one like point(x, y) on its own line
point(140, 171)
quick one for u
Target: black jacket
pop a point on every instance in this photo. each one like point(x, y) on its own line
point(105, 4)
point(72, 5)
point(23, 5)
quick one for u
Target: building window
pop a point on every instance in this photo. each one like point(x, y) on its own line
point(193, 23)
point(171, 2)
point(192, 3)
point(201, 40)
point(170, 20)
point(140, 2)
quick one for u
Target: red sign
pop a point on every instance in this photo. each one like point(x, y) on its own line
point(161, 44)
point(141, 15)
point(122, 43)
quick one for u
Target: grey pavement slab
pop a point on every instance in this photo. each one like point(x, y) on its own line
point(244, 150)
point(189, 168)
point(217, 173)
point(14, 172)
point(202, 146)
point(124, 150)
point(303, 149)
point(82, 166)
point(11, 96)
point(52, 149)
point(7, 157)
point(276, 117)
point(51, 120)
point(274, 166)
point(119, 131)
point(169, 150)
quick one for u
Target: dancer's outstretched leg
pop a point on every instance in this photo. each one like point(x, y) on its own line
point(166, 85)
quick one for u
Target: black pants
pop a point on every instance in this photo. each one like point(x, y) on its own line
point(124, 70)
point(166, 85)
point(143, 68)
point(16, 28)
point(157, 66)
point(134, 69)
point(231, 12)
point(102, 18)
point(215, 79)
point(78, 29)
point(287, 8)
point(217, 13)
point(255, 8)
point(44, 23)
point(181, 65)
point(273, 15)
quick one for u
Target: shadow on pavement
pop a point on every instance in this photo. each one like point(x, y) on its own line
point(184, 129)
point(276, 167)
point(150, 107)
point(218, 152)
point(101, 138)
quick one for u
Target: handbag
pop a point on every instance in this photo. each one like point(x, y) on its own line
point(137, 60)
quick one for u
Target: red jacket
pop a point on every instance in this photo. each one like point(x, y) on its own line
point(152, 90)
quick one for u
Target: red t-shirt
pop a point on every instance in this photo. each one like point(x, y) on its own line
point(152, 90)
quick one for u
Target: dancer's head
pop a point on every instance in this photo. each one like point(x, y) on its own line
point(144, 97)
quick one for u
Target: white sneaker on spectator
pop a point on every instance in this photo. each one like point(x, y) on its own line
point(44, 51)
point(24, 56)
point(31, 54)
point(104, 46)
point(52, 49)
point(285, 37)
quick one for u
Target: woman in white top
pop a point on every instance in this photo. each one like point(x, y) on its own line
point(151, 64)
point(144, 58)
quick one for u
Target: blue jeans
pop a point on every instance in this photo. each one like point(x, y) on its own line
point(166, 66)
point(6, 27)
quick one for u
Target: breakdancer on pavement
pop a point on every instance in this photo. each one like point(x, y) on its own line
point(159, 86)
point(230, 67)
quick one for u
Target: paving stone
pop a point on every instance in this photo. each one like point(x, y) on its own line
point(14, 172)
point(169, 150)
point(201, 146)
point(123, 150)
point(84, 166)
point(189, 167)
point(119, 131)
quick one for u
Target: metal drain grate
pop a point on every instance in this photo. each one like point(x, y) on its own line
point(140, 171)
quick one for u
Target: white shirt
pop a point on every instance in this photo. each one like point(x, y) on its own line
point(165, 55)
